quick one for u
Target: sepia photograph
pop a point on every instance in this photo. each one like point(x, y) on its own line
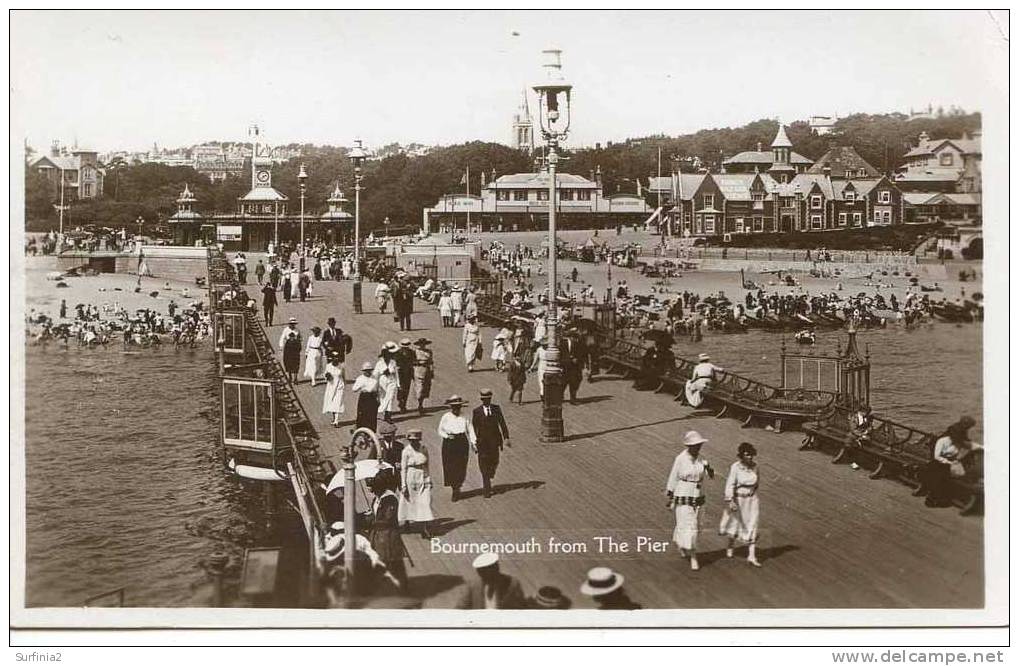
point(364, 315)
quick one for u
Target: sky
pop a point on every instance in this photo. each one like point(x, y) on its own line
point(124, 80)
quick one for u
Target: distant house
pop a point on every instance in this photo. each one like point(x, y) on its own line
point(79, 169)
point(844, 163)
point(942, 165)
point(714, 205)
point(821, 125)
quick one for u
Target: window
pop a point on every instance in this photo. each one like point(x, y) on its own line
point(849, 173)
point(686, 217)
point(739, 225)
point(815, 221)
point(542, 195)
point(850, 195)
point(566, 195)
point(757, 196)
point(787, 202)
point(842, 219)
point(708, 201)
point(861, 172)
point(519, 195)
point(815, 201)
point(945, 159)
point(884, 197)
point(709, 224)
point(758, 224)
point(583, 195)
point(857, 219)
point(502, 195)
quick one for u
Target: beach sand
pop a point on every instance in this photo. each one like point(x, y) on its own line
point(42, 295)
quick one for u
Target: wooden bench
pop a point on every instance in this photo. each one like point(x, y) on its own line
point(891, 450)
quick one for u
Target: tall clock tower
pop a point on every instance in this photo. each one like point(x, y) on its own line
point(261, 165)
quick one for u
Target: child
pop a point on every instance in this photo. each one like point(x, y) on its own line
point(517, 376)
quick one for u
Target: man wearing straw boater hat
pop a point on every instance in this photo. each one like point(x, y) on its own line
point(457, 438)
point(490, 434)
point(492, 590)
point(686, 495)
point(605, 587)
point(405, 359)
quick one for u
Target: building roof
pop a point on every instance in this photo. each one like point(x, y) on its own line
point(660, 183)
point(948, 176)
point(735, 186)
point(63, 162)
point(264, 194)
point(540, 180)
point(336, 215)
point(965, 146)
point(186, 215)
point(763, 157)
point(688, 184)
point(917, 198)
point(781, 140)
point(841, 159)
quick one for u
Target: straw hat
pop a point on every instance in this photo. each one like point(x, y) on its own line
point(421, 342)
point(693, 438)
point(703, 357)
point(292, 320)
point(485, 560)
point(601, 581)
point(455, 400)
point(414, 434)
point(367, 365)
point(405, 342)
point(550, 597)
point(391, 346)
point(486, 393)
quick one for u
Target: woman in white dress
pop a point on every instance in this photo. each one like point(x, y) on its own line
point(742, 511)
point(446, 308)
point(415, 484)
point(332, 403)
point(686, 496)
point(313, 365)
point(385, 372)
point(471, 343)
point(458, 305)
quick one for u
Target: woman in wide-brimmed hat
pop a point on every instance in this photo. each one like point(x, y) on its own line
point(313, 364)
point(290, 345)
point(742, 511)
point(416, 484)
point(471, 343)
point(367, 388)
point(332, 401)
point(686, 496)
point(457, 438)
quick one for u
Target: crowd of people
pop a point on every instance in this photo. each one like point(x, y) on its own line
point(99, 325)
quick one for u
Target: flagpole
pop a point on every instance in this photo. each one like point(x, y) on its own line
point(468, 184)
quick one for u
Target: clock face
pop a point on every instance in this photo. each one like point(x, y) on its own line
point(262, 176)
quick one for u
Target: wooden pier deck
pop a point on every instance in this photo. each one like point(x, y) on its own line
point(830, 537)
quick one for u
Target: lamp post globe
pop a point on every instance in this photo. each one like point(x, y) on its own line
point(554, 121)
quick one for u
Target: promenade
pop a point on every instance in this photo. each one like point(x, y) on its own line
point(830, 537)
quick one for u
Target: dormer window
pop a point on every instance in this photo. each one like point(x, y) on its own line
point(861, 172)
point(945, 159)
point(850, 195)
point(708, 200)
point(849, 173)
point(757, 196)
point(815, 201)
point(884, 197)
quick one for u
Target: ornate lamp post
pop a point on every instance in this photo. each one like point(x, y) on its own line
point(302, 183)
point(554, 126)
point(357, 157)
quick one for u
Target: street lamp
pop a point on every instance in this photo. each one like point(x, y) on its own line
point(553, 92)
point(385, 224)
point(357, 157)
point(302, 182)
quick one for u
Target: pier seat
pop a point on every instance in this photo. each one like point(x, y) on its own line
point(892, 450)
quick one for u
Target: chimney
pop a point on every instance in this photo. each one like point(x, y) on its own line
point(597, 176)
point(592, 176)
point(826, 170)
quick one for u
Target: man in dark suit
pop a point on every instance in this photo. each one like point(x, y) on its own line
point(334, 339)
point(491, 433)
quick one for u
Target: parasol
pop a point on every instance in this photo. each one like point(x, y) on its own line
point(363, 469)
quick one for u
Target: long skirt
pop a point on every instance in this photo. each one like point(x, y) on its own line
point(688, 520)
point(313, 363)
point(416, 506)
point(455, 450)
point(332, 402)
point(694, 391)
point(742, 523)
point(292, 358)
point(367, 411)
point(472, 351)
